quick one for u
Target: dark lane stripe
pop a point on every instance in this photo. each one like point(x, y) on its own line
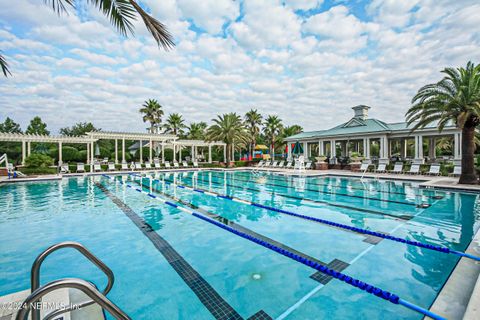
point(256, 190)
point(330, 193)
point(218, 307)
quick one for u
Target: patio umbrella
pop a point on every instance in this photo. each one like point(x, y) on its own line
point(297, 148)
point(97, 150)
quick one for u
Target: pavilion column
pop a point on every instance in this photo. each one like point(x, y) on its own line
point(209, 153)
point(457, 138)
point(289, 150)
point(179, 153)
point(174, 155)
point(418, 147)
point(23, 152)
point(141, 151)
point(123, 150)
point(367, 148)
point(150, 149)
point(405, 148)
point(305, 150)
point(163, 152)
point(29, 148)
point(225, 153)
point(116, 151)
point(333, 149)
point(383, 147)
point(320, 148)
point(60, 153)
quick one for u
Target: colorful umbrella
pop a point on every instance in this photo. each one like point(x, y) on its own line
point(297, 148)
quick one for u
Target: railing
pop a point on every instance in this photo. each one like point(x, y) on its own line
point(35, 274)
point(4, 158)
point(79, 284)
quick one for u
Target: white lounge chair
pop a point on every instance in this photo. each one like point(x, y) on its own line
point(382, 167)
point(64, 168)
point(288, 165)
point(148, 165)
point(195, 164)
point(176, 165)
point(364, 166)
point(157, 164)
point(414, 169)
point(457, 170)
point(138, 166)
point(281, 164)
point(398, 168)
point(80, 167)
point(274, 164)
point(97, 167)
point(308, 165)
point(125, 166)
point(434, 170)
point(167, 165)
point(185, 164)
point(260, 163)
point(111, 166)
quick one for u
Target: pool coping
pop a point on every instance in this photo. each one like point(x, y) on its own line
point(459, 297)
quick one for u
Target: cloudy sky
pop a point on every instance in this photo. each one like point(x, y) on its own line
point(308, 61)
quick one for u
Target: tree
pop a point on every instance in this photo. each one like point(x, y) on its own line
point(229, 129)
point(174, 124)
point(196, 130)
point(273, 127)
point(153, 113)
point(37, 126)
point(253, 121)
point(4, 66)
point(79, 129)
point(10, 126)
point(454, 99)
point(122, 15)
point(288, 132)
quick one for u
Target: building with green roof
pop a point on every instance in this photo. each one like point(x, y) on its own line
point(373, 138)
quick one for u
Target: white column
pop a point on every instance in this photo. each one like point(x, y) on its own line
point(23, 153)
point(29, 148)
point(151, 150)
point(209, 153)
point(163, 152)
point(192, 153)
point(92, 155)
point(141, 151)
point(420, 147)
point(123, 150)
point(116, 151)
point(320, 148)
point(333, 149)
point(305, 150)
point(225, 153)
point(60, 153)
point(367, 149)
point(289, 150)
point(382, 148)
point(174, 155)
point(179, 153)
point(88, 153)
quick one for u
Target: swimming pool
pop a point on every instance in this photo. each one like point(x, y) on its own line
point(171, 265)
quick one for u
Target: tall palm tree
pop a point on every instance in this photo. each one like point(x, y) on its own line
point(196, 130)
point(228, 128)
point(455, 98)
point(273, 127)
point(122, 15)
point(253, 121)
point(288, 132)
point(174, 124)
point(152, 112)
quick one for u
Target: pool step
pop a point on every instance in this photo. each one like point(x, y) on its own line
point(9, 305)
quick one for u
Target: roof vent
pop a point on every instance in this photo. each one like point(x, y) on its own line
point(361, 112)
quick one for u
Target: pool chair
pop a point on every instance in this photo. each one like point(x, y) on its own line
point(457, 170)
point(364, 166)
point(137, 166)
point(274, 164)
point(414, 169)
point(80, 167)
point(176, 165)
point(148, 165)
point(125, 166)
point(434, 170)
point(308, 165)
point(289, 165)
point(398, 168)
point(260, 163)
point(382, 167)
point(156, 163)
point(111, 166)
point(281, 164)
point(97, 167)
point(64, 168)
point(195, 164)
point(167, 165)
point(185, 164)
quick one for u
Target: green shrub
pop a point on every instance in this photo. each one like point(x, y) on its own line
point(38, 170)
point(82, 156)
point(70, 154)
point(241, 163)
point(36, 160)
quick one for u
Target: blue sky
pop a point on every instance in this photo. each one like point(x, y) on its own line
point(308, 61)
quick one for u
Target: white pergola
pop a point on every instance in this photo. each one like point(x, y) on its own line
point(194, 144)
point(27, 139)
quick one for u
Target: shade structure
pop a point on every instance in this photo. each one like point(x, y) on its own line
point(261, 147)
point(297, 148)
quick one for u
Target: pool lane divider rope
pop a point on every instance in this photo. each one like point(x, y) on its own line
point(326, 222)
point(380, 293)
point(419, 205)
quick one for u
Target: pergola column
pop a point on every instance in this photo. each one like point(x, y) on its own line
point(92, 155)
point(192, 153)
point(29, 149)
point(225, 153)
point(151, 147)
point(457, 138)
point(174, 155)
point(116, 151)
point(141, 151)
point(209, 153)
point(88, 153)
point(23, 152)
point(123, 150)
point(179, 153)
point(163, 152)
point(60, 161)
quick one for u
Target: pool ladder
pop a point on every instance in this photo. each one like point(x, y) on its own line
point(89, 289)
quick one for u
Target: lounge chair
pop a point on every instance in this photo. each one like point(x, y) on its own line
point(398, 168)
point(288, 165)
point(414, 169)
point(382, 167)
point(156, 164)
point(308, 165)
point(364, 166)
point(195, 164)
point(260, 164)
point(97, 167)
point(125, 166)
point(434, 170)
point(148, 165)
point(185, 164)
point(111, 166)
point(64, 168)
point(281, 164)
point(457, 170)
point(167, 165)
point(176, 165)
point(80, 167)
point(274, 164)
point(138, 166)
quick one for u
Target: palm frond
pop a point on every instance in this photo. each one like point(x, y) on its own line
point(4, 66)
point(59, 6)
point(120, 13)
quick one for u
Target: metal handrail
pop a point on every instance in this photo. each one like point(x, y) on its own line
point(35, 273)
point(79, 284)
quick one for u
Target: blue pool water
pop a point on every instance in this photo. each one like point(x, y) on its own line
point(244, 276)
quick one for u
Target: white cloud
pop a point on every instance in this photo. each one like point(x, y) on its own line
point(303, 4)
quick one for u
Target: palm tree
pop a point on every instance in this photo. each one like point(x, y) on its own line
point(122, 15)
point(196, 130)
point(253, 121)
point(174, 124)
point(455, 98)
point(152, 112)
point(273, 127)
point(288, 132)
point(228, 128)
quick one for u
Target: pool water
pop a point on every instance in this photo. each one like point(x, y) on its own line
point(216, 274)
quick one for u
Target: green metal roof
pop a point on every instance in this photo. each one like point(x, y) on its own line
point(357, 126)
